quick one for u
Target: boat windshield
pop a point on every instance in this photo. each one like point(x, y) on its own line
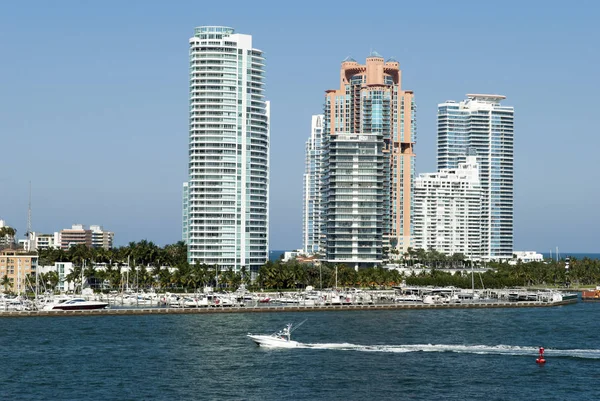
point(76, 300)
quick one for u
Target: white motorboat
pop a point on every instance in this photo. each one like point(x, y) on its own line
point(76, 304)
point(196, 302)
point(13, 304)
point(280, 339)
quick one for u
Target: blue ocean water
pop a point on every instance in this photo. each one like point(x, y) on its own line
point(275, 255)
point(578, 255)
point(483, 354)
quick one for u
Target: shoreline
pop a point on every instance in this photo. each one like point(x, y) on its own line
point(274, 309)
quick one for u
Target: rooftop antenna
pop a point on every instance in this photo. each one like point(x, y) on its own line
point(29, 214)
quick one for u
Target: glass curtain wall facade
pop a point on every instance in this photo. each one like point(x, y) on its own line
point(368, 162)
point(482, 126)
point(313, 175)
point(228, 185)
point(355, 199)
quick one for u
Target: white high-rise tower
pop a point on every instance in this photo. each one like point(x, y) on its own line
point(313, 174)
point(482, 126)
point(228, 185)
point(448, 211)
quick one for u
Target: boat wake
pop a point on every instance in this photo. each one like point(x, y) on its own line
point(461, 349)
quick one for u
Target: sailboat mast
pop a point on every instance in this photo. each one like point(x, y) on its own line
point(18, 276)
point(28, 233)
point(472, 280)
point(36, 282)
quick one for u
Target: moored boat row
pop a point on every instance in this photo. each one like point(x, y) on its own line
point(453, 295)
point(305, 298)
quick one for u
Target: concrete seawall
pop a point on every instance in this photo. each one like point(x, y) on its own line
point(267, 309)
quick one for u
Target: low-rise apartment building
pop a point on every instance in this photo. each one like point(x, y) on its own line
point(16, 265)
point(93, 237)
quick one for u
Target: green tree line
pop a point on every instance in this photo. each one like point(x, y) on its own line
point(581, 273)
point(152, 266)
point(293, 274)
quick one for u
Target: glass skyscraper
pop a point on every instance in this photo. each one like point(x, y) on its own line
point(481, 126)
point(313, 175)
point(228, 185)
point(369, 137)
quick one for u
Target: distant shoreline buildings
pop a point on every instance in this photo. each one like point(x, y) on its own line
point(93, 236)
point(362, 203)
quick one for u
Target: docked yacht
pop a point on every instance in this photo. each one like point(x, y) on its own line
point(75, 304)
point(280, 339)
point(13, 304)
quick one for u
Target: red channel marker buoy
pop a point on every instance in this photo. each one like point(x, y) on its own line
point(541, 360)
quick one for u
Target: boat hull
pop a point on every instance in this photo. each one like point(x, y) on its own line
point(273, 341)
point(79, 307)
point(90, 305)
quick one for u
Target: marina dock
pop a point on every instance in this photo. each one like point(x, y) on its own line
point(282, 308)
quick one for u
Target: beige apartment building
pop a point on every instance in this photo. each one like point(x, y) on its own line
point(75, 235)
point(93, 237)
point(16, 265)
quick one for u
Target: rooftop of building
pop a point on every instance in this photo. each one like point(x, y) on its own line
point(16, 252)
point(485, 97)
point(214, 29)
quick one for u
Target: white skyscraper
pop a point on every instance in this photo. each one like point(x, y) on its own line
point(313, 174)
point(228, 185)
point(185, 214)
point(481, 125)
point(448, 210)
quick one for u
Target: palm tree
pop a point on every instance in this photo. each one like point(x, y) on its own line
point(245, 277)
point(165, 278)
point(113, 275)
point(6, 283)
point(421, 255)
point(181, 277)
point(229, 278)
point(52, 279)
point(155, 273)
point(78, 253)
point(75, 277)
point(90, 273)
point(267, 275)
point(179, 252)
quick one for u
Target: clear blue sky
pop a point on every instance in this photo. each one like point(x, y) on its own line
point(94, 102)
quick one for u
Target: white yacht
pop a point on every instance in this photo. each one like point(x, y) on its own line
point(281, 339)
point(13, 304)
point(199, 301)
point(75, 304)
